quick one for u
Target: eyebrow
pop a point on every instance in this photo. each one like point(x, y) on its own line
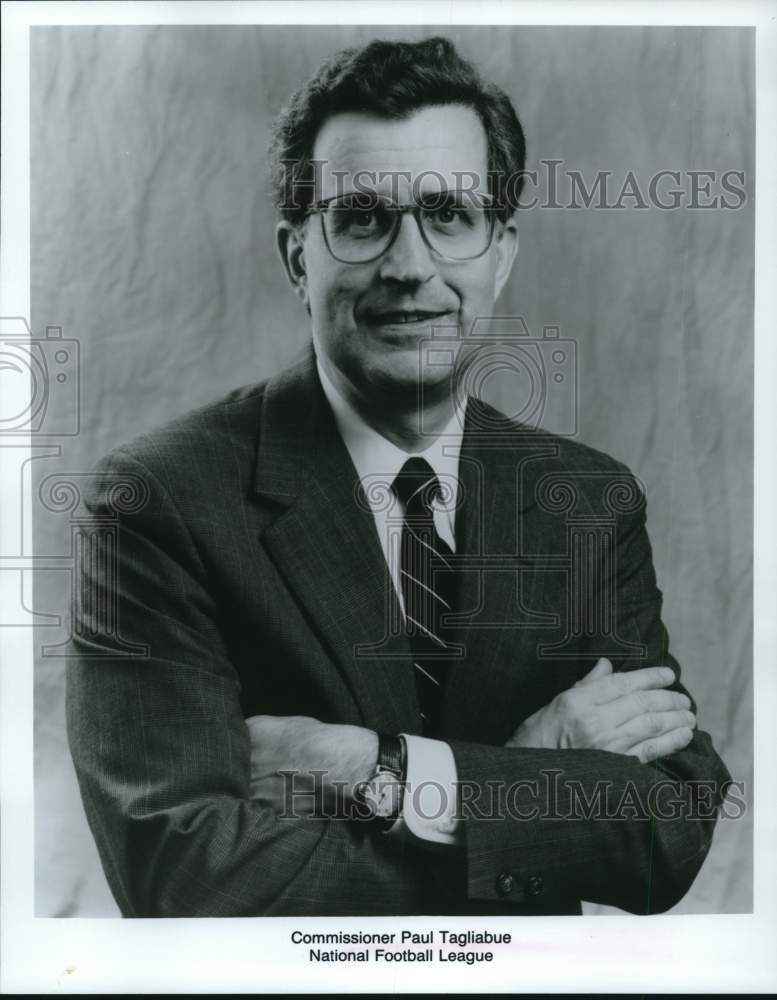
point(423, 199)
point(449, 193)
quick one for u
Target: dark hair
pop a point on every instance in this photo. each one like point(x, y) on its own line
point(393, 79)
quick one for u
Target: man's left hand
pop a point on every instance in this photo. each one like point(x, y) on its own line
point(299, 763)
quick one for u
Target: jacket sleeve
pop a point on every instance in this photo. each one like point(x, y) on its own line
point(544, 825)
point(160, 746)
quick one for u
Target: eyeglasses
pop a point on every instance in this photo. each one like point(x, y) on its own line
point(360, 227)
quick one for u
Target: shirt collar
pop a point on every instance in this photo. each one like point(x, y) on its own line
point(373, 455)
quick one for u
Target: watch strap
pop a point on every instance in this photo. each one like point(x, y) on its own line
point(392, 755)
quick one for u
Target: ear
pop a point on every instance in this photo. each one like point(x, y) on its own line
point(506, 252)
point(291, 249)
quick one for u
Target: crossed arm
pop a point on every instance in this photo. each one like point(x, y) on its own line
point(629, 713)
point(177, 786)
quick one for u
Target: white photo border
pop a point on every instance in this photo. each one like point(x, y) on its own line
point(663, 953)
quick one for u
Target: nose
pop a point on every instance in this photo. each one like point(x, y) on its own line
point(408, 259)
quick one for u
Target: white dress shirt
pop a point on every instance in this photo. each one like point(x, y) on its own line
point(429, 803)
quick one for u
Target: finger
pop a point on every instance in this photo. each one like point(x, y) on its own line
point(647, 727)
point(265, 723)
point(602, 668)
point(273, 726)
point(661, 746)
point(625, 682)
point(631, 706)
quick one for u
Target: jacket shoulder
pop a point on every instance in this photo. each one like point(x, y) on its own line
point(566, 451)
point(226, 425)
point(562, 473)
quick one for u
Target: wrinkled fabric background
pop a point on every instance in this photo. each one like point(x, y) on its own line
point(152, 245)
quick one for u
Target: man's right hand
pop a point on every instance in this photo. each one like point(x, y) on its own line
point(627, 713)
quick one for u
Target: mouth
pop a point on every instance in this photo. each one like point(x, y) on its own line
point(405, 317)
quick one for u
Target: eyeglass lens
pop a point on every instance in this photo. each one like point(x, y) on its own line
point(359, 227)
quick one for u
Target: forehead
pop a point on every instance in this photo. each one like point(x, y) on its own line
point(410, 154)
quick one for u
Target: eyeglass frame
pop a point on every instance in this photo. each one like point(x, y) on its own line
point(320, 208)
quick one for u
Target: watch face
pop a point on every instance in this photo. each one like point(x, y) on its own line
point(383, 794)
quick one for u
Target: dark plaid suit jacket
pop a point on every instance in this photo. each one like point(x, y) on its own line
point(254, 578)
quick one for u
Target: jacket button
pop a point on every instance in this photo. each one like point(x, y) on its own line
point(534, 885)
point(504, 884)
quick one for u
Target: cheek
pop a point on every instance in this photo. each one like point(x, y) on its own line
point(329, 295)
point(332, 303)
point(476, 291)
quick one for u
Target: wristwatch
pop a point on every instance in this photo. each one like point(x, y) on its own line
point(382, 792)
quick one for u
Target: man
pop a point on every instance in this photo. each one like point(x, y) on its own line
point(372, 647)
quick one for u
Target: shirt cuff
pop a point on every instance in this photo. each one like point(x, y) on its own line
point(430, 799)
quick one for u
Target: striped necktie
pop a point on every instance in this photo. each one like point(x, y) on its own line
point(428, 584)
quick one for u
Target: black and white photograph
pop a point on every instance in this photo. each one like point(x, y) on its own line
point(380, 520)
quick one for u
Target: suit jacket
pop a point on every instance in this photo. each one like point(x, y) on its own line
point(244, 576)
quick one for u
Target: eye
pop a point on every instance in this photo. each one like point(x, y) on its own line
point(447, 214)
point(361, 211)
point(361, 216)
point(356, 215)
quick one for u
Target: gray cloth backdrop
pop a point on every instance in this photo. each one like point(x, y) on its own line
point(152, 245)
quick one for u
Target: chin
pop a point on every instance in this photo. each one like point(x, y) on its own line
point(404, 377)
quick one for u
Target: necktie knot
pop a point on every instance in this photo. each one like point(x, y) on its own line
point(417, 486)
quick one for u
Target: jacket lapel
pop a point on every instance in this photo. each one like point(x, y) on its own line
point(325, 546)
point(500, 589)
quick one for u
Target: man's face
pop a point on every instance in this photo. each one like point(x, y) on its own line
point(369, 319)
